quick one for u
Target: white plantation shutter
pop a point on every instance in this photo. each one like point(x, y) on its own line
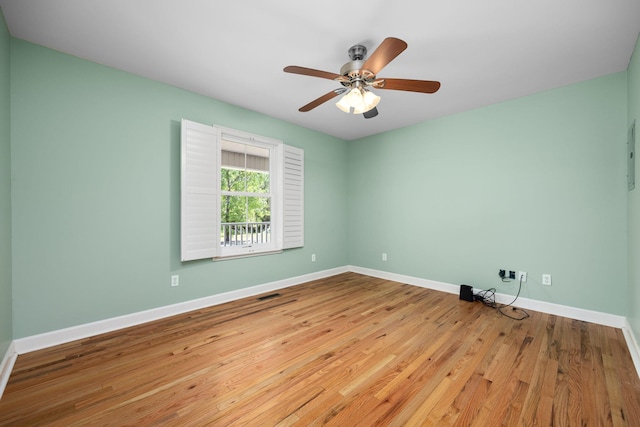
point(200, 191)
point(293, 198)
point(200, 228)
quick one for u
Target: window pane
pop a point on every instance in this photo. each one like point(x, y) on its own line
point(233, 155)
point(233, 209)
point(245, 167)
point(257, 182)
point(259, 214)
point(233, 224)
point(257, 159)
point(233, 180)
point(259, 209)
point(245, 208)
point(245, 220)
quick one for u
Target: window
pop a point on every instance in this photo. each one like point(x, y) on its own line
point(242, 194)
point(248, 199)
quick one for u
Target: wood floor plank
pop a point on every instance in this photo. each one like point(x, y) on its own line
point(457, 379)
point(346, 350)
point(474, 404)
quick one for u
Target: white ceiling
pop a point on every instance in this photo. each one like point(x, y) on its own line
point(482, 52)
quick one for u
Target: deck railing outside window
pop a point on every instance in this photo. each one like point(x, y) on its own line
point(244, 233)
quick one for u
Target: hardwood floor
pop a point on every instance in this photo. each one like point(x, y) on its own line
point(350, 350)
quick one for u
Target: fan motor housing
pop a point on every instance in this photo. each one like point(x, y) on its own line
point(351, 68)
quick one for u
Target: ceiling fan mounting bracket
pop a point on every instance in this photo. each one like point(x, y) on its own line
point(357, 52)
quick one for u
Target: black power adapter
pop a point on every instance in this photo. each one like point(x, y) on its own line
point(466, 293)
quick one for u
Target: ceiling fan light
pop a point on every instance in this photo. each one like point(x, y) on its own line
point(369, 101)
point(358, 101)
point(351, 100)
point(343, 104)
point(355, 97)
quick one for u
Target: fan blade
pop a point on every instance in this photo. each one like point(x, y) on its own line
point(371, 113)
point(311, 72)
point(324, 98)
point(424, 86)
point(385, 53)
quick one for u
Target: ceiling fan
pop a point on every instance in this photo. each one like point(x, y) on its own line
point(359, 74)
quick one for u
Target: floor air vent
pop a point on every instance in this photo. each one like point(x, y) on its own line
point(276, 295)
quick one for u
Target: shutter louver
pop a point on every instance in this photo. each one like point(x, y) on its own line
point(199, 191)
point(293, 198)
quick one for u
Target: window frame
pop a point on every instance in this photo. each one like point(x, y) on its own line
point(200, 216)
point(275, 148)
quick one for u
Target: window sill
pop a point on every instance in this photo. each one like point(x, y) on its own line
point(248, 255)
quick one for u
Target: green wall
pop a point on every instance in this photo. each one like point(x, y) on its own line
point(96, 165)
point(6, 334)
point(633, 212)
point(536, 184)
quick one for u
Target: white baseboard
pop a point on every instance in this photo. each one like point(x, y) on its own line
point(7, 366)
point(544, 307)
point(48, 339)
point(597, 317)
point(632, 343)
point(61, 336)
point(410, 280)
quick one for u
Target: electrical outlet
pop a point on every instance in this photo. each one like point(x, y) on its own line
point(384, 256)
point(522, 275)
point(175, 280)
point(512, 274)
point(313, 257)
point(546, 279)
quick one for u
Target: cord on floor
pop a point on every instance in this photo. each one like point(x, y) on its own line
point(488, 298)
